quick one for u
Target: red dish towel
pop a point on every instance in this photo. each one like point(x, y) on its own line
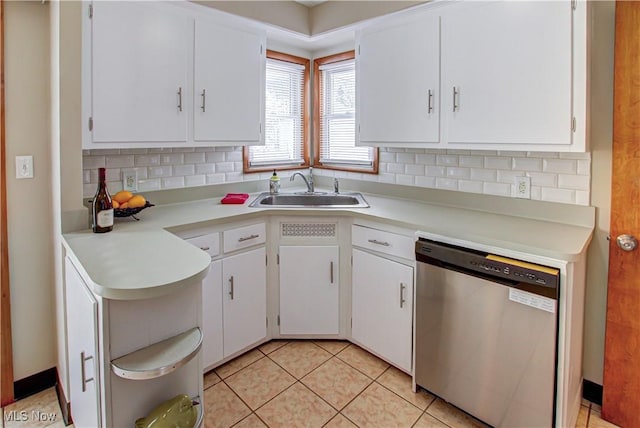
point(235, 198)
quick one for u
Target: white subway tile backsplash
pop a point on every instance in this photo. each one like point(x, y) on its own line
point(495, 162)
point(159, 171)
point(147, 160)
point(446, 183)
point(555, 177)
point(195, 180)
point(455, 172)
point(447, 160)
point(194, 157)
point(558, 195)
point(470, 186)
point(498, 189)
point(184, 170)
point(578, 182)
point(561, 166)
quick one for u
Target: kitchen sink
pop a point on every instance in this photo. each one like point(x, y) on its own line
point(315, 200)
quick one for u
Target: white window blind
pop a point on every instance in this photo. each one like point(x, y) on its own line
point(338, 117)
point(284, 111)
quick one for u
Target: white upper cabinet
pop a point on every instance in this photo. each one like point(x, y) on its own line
point(506, 74)
point(398, 82)
point(229, 83)
point(140, 73)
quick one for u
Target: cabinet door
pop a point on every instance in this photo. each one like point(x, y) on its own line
point(382, 307)
point(82, 336)
point(398, 79)
point(212, 316)
point(229, 84)
point(140, 68)
point(510, 65)
point(244, 298)
point(309, 290)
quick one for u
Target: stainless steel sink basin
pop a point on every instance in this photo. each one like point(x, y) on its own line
point(314, 200)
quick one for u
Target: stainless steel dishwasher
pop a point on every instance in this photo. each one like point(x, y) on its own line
point(486, 330)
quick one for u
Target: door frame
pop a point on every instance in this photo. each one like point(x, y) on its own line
point(6, 349)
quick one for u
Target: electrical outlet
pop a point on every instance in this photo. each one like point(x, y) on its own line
point(130, 180)
point(24, 166)
point(523, 187)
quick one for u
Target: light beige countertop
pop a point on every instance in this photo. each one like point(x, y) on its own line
point(141, 259)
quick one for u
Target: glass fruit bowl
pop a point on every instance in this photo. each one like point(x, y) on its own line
point(130, 212)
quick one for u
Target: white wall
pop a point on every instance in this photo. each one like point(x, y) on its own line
point(29, 200)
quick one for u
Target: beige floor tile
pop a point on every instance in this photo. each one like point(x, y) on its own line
point(251, 421)
point(379, 407)
point(400, 383)
point(596, 421)
point(296, 407)
point(339, 421)
point(452, 416)
point(260, 382)
point(363, 361)
point(300, 358)
point(428, 421)
point(583, 416)
point(333, 346)
point(271, 346)
point(336, 382)
point(211, 379)
point(223, 408)
point(238, 363)
point(39, 410)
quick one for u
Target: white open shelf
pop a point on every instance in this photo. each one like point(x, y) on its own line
point(160, 358)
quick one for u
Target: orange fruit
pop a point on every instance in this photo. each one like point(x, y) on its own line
point(137, 201)
point(115, 204)
point(124, 206)
point(122, 196)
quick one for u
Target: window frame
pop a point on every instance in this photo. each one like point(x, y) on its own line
point(246, 168)
point(317, 63)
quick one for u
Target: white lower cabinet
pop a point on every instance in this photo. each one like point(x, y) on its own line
point(212, 341)
point(82, 326)
point(244, 308)
point(309, 289)
point(382, 307)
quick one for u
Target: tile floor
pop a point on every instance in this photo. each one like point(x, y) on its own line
point(307, 384)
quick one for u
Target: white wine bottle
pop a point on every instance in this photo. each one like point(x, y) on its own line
point(102, 206)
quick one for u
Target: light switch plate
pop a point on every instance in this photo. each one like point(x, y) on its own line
point(130, 180)
point(24, 167)
point(523, 187)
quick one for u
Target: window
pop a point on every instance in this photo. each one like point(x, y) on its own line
point(335, 117)
point(285, 130)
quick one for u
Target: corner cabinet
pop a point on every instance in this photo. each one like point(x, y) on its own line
point(163, 74)
point(398, 82)
point(508, 76)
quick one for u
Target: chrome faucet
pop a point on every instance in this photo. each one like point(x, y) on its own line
point(308, 182)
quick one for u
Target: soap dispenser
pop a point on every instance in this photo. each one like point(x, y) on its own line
point(274, 183)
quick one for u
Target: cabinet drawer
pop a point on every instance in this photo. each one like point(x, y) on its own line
point(383, 242)
point(243, 237)
point(209, 243)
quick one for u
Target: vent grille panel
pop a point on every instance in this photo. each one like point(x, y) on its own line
point(308, 230)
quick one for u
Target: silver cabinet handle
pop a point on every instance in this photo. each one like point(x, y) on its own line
point(180, 98)
point(246, 238)
point(205, 248)
point(375, 241)
point(402, 287)
point(331, 272)
point(83, 371)
point(456, 96)
point(430, 103)
point(204, 100)
point(231, 287)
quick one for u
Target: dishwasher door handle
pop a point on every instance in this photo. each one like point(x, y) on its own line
point(402, 300)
